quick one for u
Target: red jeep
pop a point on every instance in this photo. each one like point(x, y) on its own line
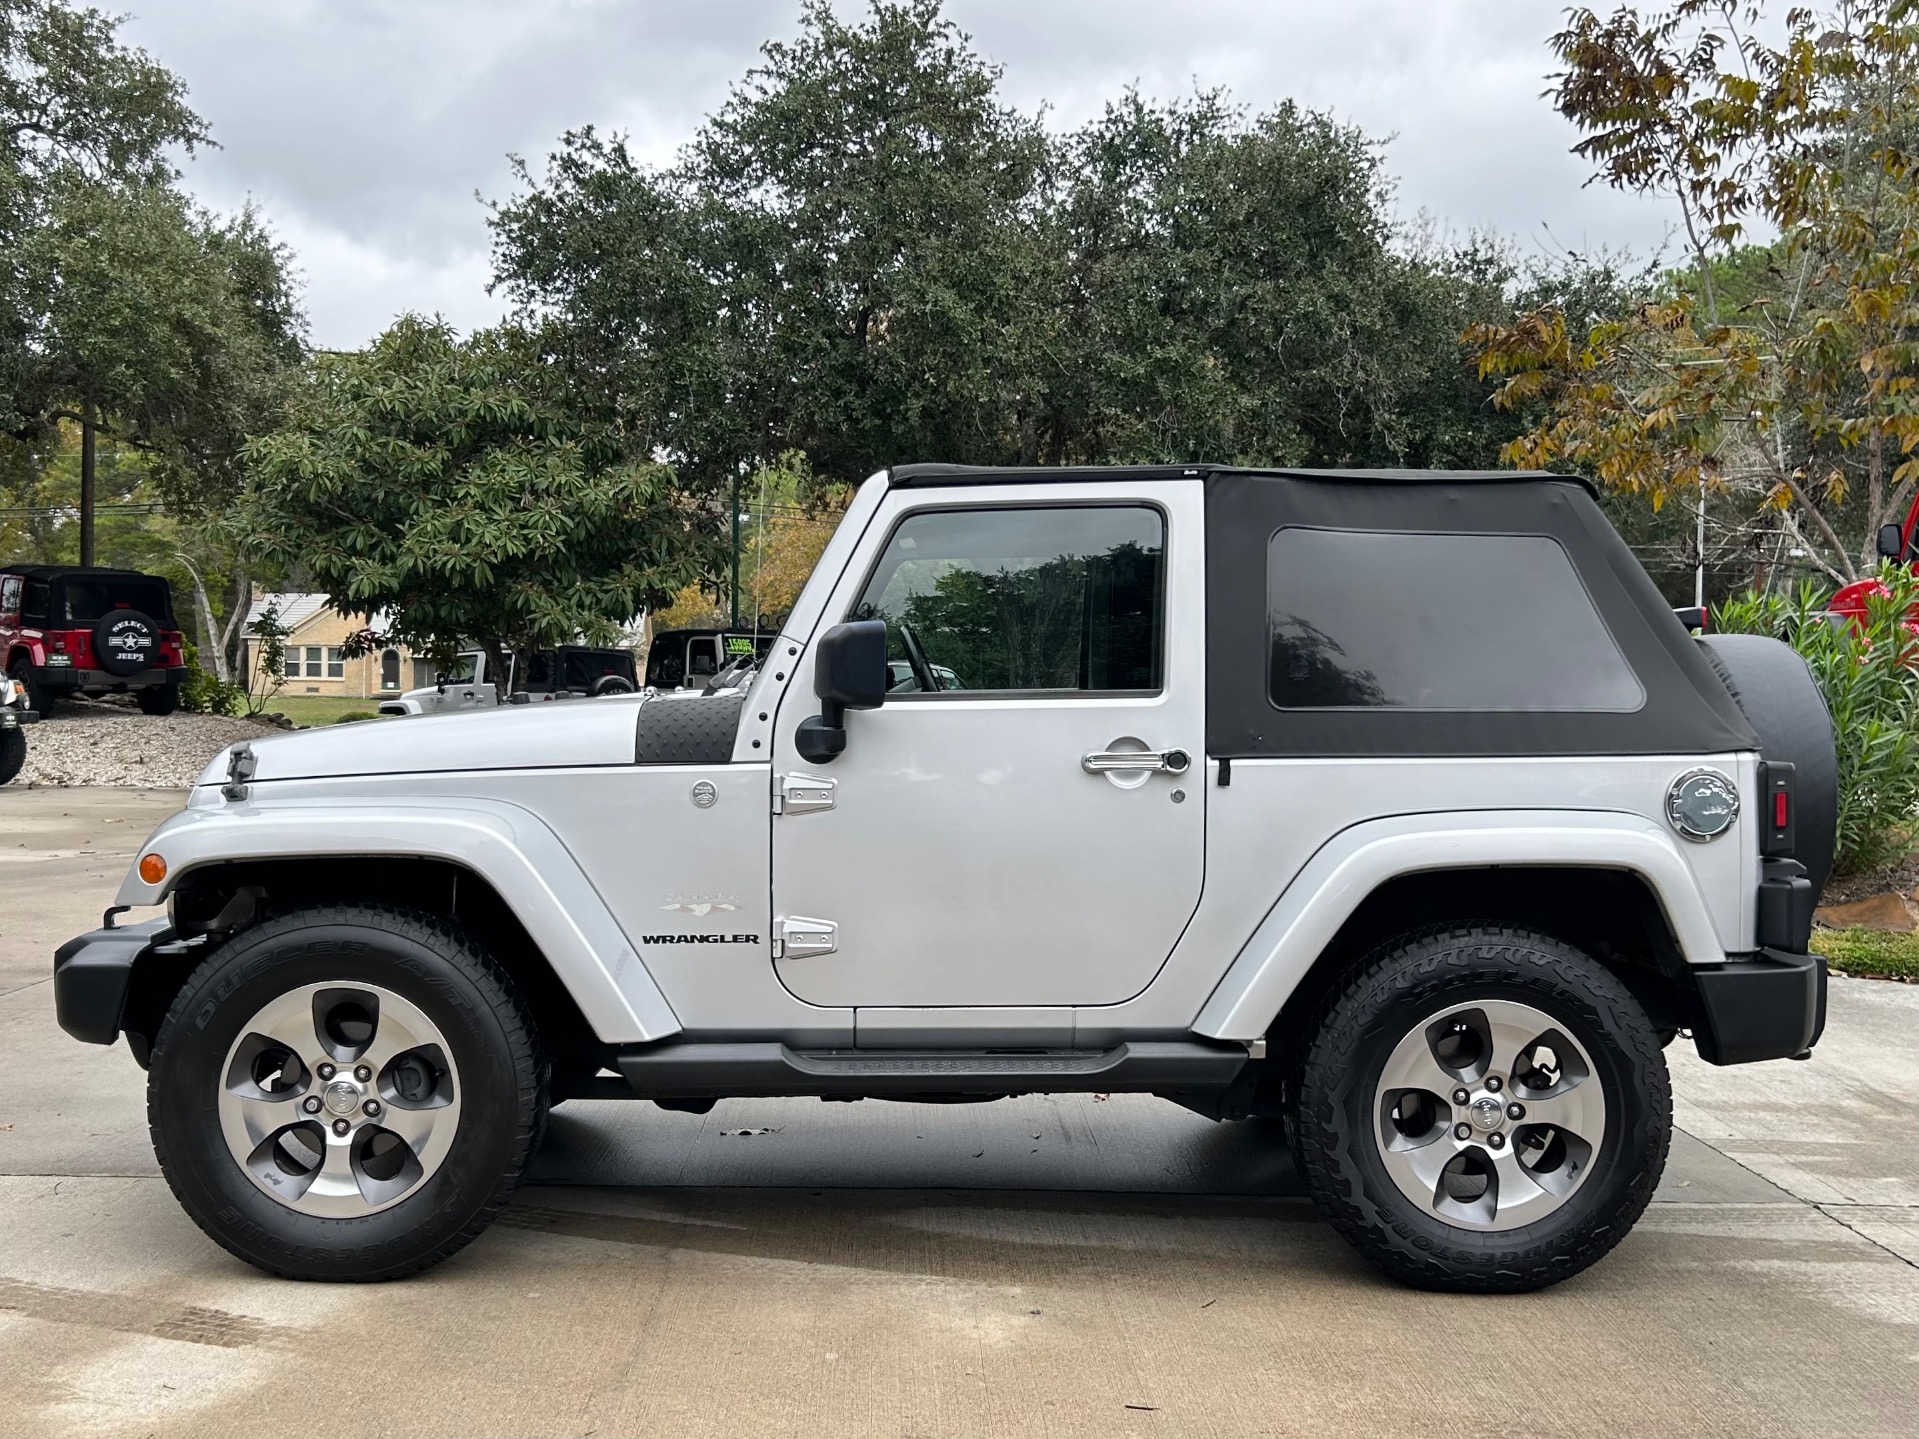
point(1895, 542)
point(66, 630)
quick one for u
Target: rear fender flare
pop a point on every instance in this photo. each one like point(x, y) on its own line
point(1349, 867)
point(509, 846)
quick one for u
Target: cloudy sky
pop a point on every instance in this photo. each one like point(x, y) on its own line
point(366, 127)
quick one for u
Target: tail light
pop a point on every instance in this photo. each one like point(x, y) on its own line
point(1778, 808)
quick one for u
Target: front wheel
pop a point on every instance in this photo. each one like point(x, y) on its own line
point(345, 1093)
point(1484, 1110)
point(39, 698)
point(13, 753)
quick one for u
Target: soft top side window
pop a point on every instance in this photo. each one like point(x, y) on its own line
point(1367, 619)
point(35, 600)
point(1027, 599)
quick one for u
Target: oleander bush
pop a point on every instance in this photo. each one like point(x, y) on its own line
point(1869, 674)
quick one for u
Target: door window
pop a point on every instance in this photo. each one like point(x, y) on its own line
point(1031, 600)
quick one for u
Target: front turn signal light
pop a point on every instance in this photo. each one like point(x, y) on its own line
point(153, 869)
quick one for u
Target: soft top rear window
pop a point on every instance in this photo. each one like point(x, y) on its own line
point(83, 599)
point(1365, 619)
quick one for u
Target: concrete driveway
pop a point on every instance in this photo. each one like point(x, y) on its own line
point(1047, 1266)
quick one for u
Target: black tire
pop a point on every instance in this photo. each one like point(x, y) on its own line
point(125, 642)
point(429, 962)
point(39, 699)
point(13, 753)
point(1776, 693)
point(158, 699)
point(1400, 988)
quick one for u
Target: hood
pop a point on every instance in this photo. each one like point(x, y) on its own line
point(567, 734)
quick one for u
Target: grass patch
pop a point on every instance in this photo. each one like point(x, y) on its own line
point(1869, 953)
point(313, 710)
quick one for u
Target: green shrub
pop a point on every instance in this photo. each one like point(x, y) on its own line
point(1869, 953)
point(354, 716)
point(203, 694)
point(1869, 675)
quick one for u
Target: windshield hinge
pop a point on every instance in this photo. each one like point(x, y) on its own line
point(803, 794)
point(800, 937)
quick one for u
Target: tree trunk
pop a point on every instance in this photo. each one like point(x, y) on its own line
point(209, 650)
point(235, 654)
point(1875, 497)
point(496, 668)
point(87, 468)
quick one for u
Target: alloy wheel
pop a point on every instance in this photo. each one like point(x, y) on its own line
point(1488, 1115)
point(339, 1099)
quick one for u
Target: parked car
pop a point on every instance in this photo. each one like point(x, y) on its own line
point(1263, 797)
point(67, 631)
point(14, 715)
point(689, 659)
point(564, 673)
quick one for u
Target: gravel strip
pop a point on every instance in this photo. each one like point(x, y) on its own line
point(107, 745)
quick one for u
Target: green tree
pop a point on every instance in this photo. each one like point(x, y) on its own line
point(124, 310)
point(844, 262)
point(866, 257)
point(453, 488)
point(1782, 375)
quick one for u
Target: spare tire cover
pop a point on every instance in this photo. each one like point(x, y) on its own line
point(126, 642)
point(1785, 709)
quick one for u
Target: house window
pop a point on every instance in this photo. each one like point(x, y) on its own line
point(293, 662)
point(314, 661)
point(335, 663)
point(390, 670)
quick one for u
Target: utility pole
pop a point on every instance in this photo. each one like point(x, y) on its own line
point(1699, 571)
point(86, 484)
point(736, 547)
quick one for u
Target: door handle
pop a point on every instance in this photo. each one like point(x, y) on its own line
point(1172, 761)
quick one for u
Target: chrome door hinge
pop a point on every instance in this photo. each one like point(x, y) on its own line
point(802, 794)
point(799, 937)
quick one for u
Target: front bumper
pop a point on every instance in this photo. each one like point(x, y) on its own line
point(1769, 1005)
point(91, 974)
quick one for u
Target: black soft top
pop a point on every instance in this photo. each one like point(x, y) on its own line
point(932, 475)
point(57, 577)
point(1680, 706)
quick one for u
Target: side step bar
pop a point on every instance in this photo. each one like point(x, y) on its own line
point(681, 1070)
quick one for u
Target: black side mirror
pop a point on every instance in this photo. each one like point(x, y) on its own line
point(1892, 542)
point(849, 673)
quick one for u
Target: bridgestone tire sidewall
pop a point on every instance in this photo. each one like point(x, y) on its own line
point(1403, 989)
point(491, 1051)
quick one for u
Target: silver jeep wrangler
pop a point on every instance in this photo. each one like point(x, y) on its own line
point(1396, 805)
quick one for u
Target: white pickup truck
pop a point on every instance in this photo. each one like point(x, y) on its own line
point(1398, 805)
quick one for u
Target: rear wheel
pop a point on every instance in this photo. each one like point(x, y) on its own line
point(347, 1093)
point(1484, 1110)
point(158, 699)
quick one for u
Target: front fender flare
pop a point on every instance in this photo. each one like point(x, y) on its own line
point(511, 848)
point(1357, 861)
